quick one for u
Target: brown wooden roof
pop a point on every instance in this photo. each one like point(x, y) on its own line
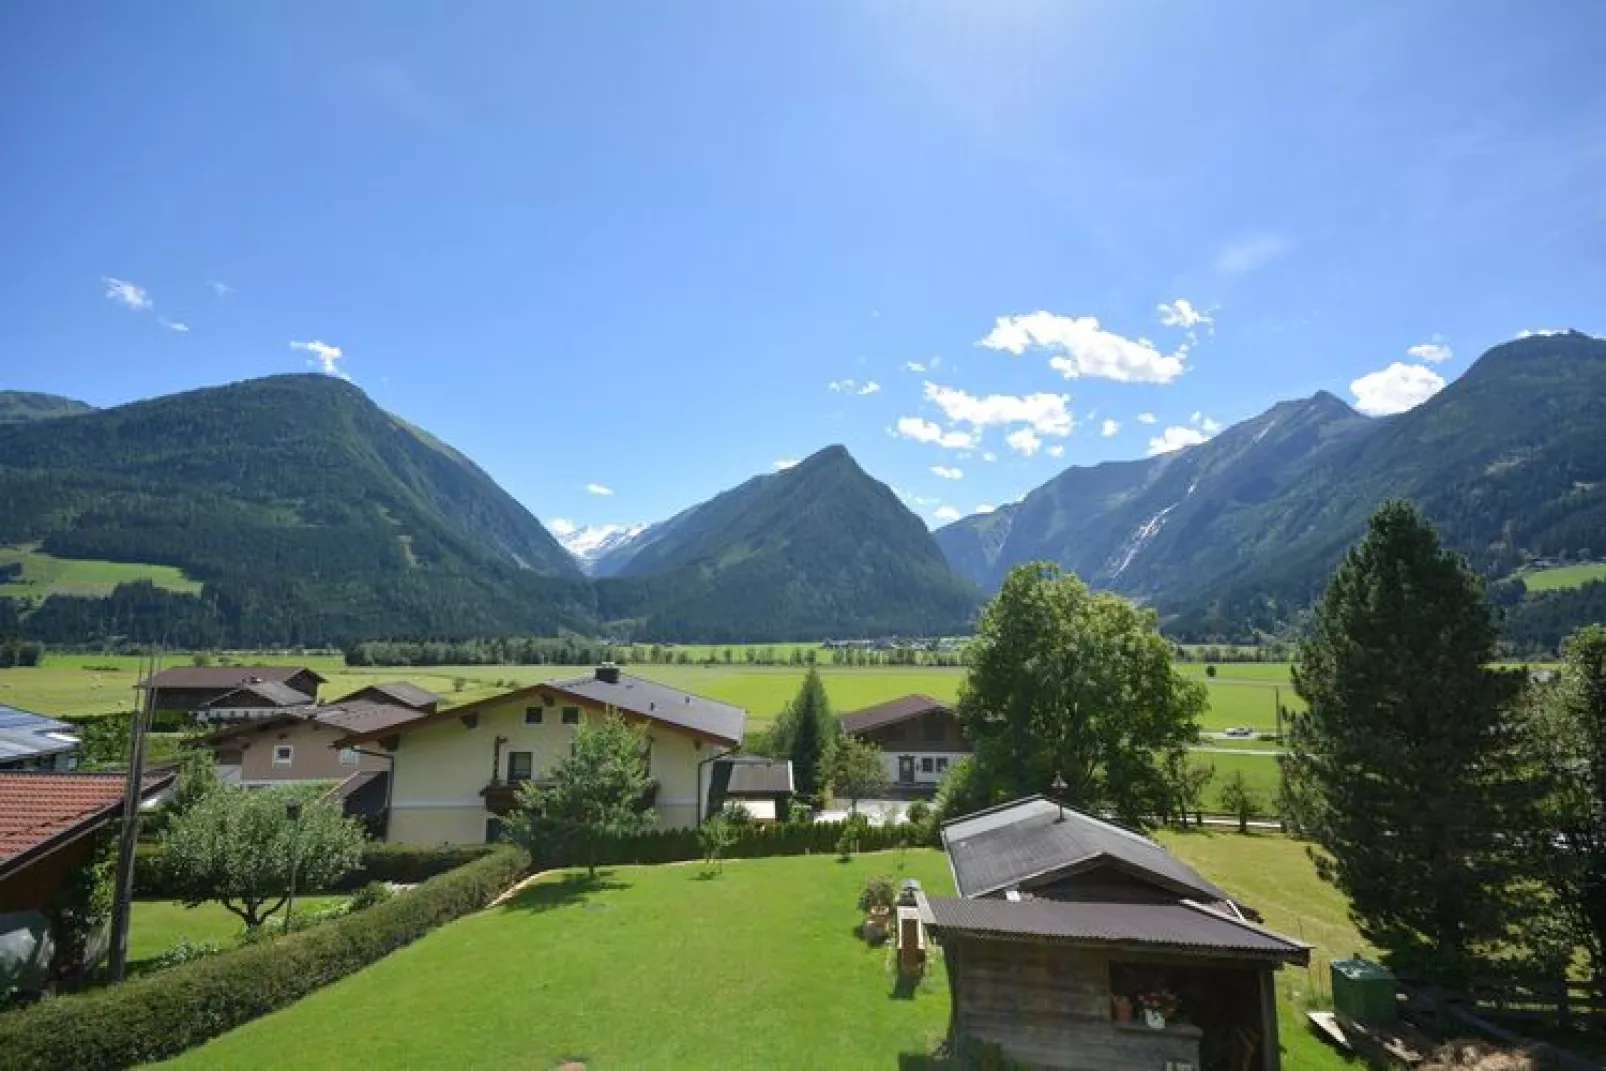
point(892, 711)
point(222, 676)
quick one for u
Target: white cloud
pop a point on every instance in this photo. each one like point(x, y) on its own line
point(914, 500)
point(129, 295)
point(945, 513)
point(1249, 253)
point(324, 356)
point(1181, 313)
point(840, 385)
point(784, 463)
point(1046, 413)
point(1024, 441)
point(1395, 389)
point(947, 473)
point(1086, 349)
point(924, 431)
point(221, 289)
point(913, 366)
point(1175, 439)
point(984, 507)
point(598, 489)
point(1434, 351)
point(870, 387)
point(1056, 450)
point(1204, 423)
point(989, 457)
point(562, 526)
point(1146, 418)
point(1109, 428)
point(173, 325)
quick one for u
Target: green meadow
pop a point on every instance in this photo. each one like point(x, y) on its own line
point(1560, 577)
point(44, 575)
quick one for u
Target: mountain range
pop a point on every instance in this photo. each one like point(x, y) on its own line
point(1240, 532)
point(310, 515)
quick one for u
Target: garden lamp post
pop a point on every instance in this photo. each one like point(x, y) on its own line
point(1058, 788)
point(292, 811)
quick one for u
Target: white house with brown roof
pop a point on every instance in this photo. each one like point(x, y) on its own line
point(919, 738)
point(456, 771)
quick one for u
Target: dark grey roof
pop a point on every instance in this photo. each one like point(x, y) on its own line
point(361, 716)
point(25, 735)
point(221, 676)
point(1181, 926)
point(404, 692)
point(1009, 845)
point(252, 716)
point(757, 775)
point(892, 711)
point(659, 702)
point(271, 694)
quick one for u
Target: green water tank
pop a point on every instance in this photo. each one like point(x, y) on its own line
point(1364, 991)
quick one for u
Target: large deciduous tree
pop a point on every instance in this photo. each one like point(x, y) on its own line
point(1408, 757)
point(1570, 734)
point(1065, 681)
point(235, 846)
point(601, 790)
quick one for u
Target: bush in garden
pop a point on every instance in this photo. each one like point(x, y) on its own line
point(877, 892)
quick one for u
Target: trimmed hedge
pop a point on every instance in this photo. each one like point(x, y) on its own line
point(403, 864)
point(752, 842)
point(162, 1014)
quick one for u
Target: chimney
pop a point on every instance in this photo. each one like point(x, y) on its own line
point(608, 673)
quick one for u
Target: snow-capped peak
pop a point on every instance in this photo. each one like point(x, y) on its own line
point(591, 542)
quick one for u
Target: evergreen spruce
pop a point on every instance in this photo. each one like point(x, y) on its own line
point(1408, 757)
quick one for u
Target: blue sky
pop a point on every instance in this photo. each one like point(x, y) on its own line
point(653, 249)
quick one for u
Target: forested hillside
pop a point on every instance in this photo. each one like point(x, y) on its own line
point(1240, 533)
point(17, 406)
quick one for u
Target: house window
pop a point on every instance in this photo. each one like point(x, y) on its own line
point(571, 715)
point(283, 754)
point(942, 765)
point(520, 764)
point(348, 756)
point(926, 765)
point(933, 727)
point(532, 715)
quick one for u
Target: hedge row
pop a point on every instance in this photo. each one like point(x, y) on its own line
point(752, 842)
point(157, 1016)
point(403, 864)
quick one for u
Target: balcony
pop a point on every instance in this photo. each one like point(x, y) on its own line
point(503, 796)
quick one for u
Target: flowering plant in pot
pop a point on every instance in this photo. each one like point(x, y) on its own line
point(1158, 1006)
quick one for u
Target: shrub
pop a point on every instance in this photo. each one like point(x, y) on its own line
point(919, 814)
point(877, 892)
point(397, 864)
point(184, 952)
point(148, 1019)
point(371, 895)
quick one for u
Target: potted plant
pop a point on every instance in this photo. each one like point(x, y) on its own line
point(1158, 1006)
point(876, 902)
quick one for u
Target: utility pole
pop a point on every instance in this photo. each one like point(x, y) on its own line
point(133, 794)
point(1277, 697)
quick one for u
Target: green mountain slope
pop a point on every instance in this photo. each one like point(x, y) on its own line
point(1509, 461)
point(17, 406)
point(817, 550)
point(309, 514)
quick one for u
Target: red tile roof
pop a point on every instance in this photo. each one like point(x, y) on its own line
point(36, 808)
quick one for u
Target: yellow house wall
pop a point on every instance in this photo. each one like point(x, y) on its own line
point(441, 770)
point(311, 760)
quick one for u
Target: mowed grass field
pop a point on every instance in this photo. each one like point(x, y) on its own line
point(1559, 577)
point(660, 967)
point(157, 925)
point(44, 575)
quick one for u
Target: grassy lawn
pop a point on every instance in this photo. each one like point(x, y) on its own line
point(659, 967)
point(1259, 770)
point(157, 925)
point(1564, 576)
point(1274, 875)
point(650, 967)
point(44, 575)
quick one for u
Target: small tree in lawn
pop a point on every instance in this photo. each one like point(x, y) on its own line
point(857, 770)
point(1241, 800)
point(1188, 780)
point(600, 790)
point(236, 846)
point(805, 733)
point(715, 837)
